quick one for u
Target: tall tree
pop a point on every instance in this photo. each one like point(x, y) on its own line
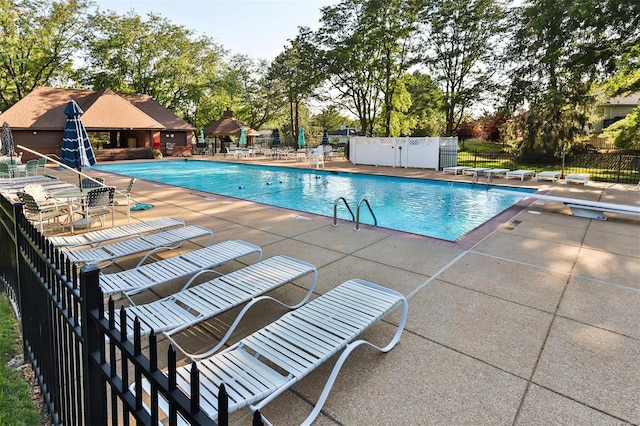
point(553, 76)
point(154, 57)
point(461, 51)
point(427, 105)
point(296, 73)
point(367, 47)
point(38, 43)
point(256, 98)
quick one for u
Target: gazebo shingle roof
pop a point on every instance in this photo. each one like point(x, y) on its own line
point(228, 125)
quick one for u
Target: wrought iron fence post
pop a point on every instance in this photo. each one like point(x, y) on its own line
point(19, 239)
point(95, 410)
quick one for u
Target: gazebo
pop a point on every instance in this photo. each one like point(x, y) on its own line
point(228, 126)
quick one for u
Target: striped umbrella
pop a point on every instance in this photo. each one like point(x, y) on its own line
point(276, 138)
point(76, 147)
point(325, 138)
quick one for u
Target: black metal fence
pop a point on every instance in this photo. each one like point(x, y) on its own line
point(613, 166)
point(89, 372)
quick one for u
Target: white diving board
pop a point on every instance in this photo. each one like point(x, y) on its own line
point(580, 208)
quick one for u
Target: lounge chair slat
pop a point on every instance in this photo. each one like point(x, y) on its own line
point(111, 252)
point(282, 345)
point(102, 235)
point(220, 294)
point(146, 276)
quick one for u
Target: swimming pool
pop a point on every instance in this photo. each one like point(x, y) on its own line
point(445, 210)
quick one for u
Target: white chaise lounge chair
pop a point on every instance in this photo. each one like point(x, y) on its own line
point(548, 175)
point(496, 172)
point(582, 178)
point(475, 170)
point(126, 231)
point(145, 276)
point(265, 364)
point(192, 305)
point(107, 254)
point(519, 174)
point(455, 169)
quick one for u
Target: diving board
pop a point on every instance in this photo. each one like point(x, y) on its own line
point(579, 208)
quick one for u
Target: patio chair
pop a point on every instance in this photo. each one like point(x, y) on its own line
point(127, 195)
point(38, 214)
point(5, 171)
point(94, 238)
point(145, 276)
point(317, 157)
point(87, 183)
point(455, 169)
point(547, 174)
point(41, 196)
point(265, 364)
point(42, 165)
point(99, 203)
point(107, 254)
point(193, 305)
point(30, 169)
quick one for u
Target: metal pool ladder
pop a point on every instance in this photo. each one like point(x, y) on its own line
point(357, 216)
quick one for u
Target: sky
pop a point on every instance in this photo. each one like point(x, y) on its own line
point(256, 28)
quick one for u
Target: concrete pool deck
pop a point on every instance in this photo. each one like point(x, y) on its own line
point(533, 321)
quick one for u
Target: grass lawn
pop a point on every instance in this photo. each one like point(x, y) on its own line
point(16, 403)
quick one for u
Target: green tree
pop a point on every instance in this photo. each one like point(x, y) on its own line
point(396, 119)
point(551, 76)
point(329, 118)
point(256, 98)
point(154, 57)
point(38, 43)
point(367, 47)
point(460, 50)
point(294, 71)
point(427, 105)
point(563, 51)
point(626, 132)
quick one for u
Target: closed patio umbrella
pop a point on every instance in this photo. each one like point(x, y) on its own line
point(76, 147)
point(325, 138)
point(276, 138)
point(301, 137)
point(243, 137)
point(7, 140)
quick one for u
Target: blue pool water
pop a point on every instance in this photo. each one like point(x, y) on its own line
point(444, 210)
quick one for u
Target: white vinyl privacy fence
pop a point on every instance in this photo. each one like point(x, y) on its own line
point(424, 152)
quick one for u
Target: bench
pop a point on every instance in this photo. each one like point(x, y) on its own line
point(580, 208)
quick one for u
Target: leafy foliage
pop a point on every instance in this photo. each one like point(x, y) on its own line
point(39, 42)
point(365, 49)
point(626, 132)
point(129, 54)
point(561, 50)
point(458, 48)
